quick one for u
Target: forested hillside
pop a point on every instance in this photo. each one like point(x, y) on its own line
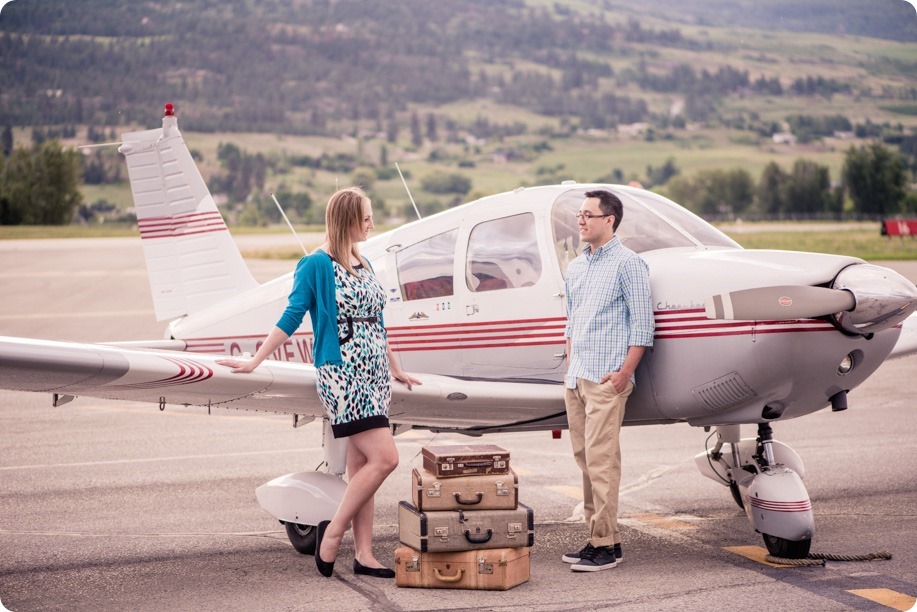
point(301, 66)
point(731, 107)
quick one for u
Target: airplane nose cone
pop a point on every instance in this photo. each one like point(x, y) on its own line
point(884, 298)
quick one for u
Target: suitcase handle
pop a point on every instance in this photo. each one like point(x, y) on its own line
point(455, 578)
point(481, 540)
point(458, 498)
point(483, 463)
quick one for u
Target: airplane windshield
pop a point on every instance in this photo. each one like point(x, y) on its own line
point(650, 223)
point(700, 230)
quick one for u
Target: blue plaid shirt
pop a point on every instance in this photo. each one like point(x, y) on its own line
point(608, 310)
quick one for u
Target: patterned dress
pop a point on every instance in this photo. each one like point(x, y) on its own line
point(356, 393)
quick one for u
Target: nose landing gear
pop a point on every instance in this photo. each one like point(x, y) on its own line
point(765, 478)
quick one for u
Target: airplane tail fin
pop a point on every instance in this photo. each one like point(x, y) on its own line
point(191, 258)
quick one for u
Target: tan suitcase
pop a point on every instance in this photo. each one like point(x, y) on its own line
point(485, 492)
point(449, 530)
point(465, 460)
point(496, 569)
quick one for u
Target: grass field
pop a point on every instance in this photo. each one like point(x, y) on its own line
point(858, 241)
point(868, 245)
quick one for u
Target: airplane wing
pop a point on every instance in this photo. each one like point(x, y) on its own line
point(70, 369)
point(907, 341)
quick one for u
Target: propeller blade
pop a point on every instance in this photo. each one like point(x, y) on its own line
point(779, 302)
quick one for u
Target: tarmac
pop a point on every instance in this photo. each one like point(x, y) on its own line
point(116, 506)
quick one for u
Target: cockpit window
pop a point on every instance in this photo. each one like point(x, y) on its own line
point(650, 222)
point(503, 254)
point(425, 269)
point(699, 229)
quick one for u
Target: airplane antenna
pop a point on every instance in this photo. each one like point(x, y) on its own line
point(290, 225)
point(103, 144)
point(408, 190)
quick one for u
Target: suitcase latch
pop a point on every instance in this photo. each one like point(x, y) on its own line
point(512, 529)
point(484, 567)
point(502, 489)
point(435, 490)
point(442, 533)
point(499, 465)
point(414, 565)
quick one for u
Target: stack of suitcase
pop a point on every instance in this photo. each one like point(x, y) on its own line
point(465, 528)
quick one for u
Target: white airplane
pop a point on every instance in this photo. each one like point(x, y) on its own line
point(476, 309)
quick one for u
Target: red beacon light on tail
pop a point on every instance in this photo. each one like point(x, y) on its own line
point(170, 110)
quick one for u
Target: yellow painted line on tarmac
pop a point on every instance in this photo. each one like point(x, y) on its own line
point(665, 522)
point(887, 597)
point(755, 553)
point(568, 490)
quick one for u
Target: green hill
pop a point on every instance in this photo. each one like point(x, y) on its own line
point(504, 92)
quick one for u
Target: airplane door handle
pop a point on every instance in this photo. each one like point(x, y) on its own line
point(471, 309)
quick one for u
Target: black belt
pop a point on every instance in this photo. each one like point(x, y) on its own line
point(350, 321)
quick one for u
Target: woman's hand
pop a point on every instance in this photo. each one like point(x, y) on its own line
point(405, 378)
point(238, 366)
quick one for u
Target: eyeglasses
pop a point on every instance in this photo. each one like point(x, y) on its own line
point(588, 216)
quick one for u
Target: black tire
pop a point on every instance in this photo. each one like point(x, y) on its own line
point(302, 537)
point(734, 489)
point(787, 549)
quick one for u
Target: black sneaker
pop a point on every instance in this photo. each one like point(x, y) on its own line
point(573, 557)
point(596, 559)
point(619, 556)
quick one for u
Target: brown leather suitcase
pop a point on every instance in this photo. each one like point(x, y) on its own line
point(465, 460)
point(484, 492)
point(450, 530)
point(496, 569)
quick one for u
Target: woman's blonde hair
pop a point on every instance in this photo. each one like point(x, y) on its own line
point(344, 213)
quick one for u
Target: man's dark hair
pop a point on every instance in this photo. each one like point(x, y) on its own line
point(610, 205)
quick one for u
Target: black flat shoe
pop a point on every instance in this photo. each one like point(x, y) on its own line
point(375, 572)
point(324, 568)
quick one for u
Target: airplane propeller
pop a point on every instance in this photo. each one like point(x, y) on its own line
point(779, 302)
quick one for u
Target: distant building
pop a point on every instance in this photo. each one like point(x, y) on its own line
point(784, 138)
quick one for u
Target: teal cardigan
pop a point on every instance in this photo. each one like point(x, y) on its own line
point(314, 291)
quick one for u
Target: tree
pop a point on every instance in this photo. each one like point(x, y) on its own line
point(39, 186)
point(875, 178)
point(416, 134)
point(770, 194)
point(391, 127)
point(808, 188)
point(432, 132)
point(714, 192)
point(6, 140)
point(443, 182)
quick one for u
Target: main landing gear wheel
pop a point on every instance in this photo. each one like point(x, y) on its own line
point(302, 537)
point(787, 549)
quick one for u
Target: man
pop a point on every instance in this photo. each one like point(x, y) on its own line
point(609, 325)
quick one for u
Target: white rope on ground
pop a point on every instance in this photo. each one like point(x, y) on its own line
point(820, 558)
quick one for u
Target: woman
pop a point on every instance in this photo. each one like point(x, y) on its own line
point(354, 367)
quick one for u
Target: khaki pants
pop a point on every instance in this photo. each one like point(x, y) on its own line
point(595, 413)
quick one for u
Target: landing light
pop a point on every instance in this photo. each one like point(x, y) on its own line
point(846, 365)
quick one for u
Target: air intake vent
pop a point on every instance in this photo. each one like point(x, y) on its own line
point(724, 392)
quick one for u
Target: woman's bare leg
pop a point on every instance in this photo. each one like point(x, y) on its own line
point(377, 448)
point(363, 522)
